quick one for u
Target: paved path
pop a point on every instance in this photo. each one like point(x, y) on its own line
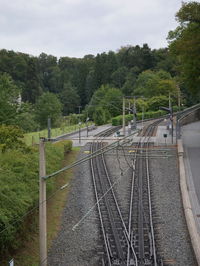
point(191, 142)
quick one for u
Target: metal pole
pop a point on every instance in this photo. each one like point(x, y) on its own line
point(123, 116)
point(134, 115)
point(142, 116)
point(49, 127)
point(179, 99)
point(79, 124)
point(172, 126)
point(42, 205)
point(171, 116)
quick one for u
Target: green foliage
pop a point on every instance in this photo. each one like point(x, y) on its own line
point(67, 146)
point(189, 12)
point(32, 89)
point(157, 101)
point(101, 116)
point(25, 118)
point(119, 77)
point(75, 80)
point(48, 105)
point(19, 189)
point(131, 78)
point(69, 98)
point(11, 138)
point(151, 83)
point(106, 102)
point(9, 93)
point(117, 121)
point(185, 46)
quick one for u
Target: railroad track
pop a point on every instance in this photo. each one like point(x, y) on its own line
point(112, 225)
point(140, 226)
point(125, 242)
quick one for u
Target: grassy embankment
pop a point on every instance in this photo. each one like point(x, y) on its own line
point(19, 177)
point(33, 137)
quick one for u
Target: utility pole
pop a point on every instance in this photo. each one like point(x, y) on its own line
point(49, 127)
point(171, 117)
point(142, 116)
point(134, 114)
point(87, 124)
point(42, 204)
point(79, 124)
point(179, 97)
point(123, 116)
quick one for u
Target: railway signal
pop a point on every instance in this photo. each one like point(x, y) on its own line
point(170, 112)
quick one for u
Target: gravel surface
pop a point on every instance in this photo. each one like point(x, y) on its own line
point(83, 246)
point(78, 247)
point(170, 228)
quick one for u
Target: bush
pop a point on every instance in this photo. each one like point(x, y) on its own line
point(67, 144)
point(116, 121)
point(101, 116)
point(27, 122)
point(19, 188)
point(11, 138)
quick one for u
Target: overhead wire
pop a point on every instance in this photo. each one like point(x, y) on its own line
point(76, 163)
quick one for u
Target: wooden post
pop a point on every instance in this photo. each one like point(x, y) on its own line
point(42, 205)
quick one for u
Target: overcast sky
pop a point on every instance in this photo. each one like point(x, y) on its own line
point(78, 27)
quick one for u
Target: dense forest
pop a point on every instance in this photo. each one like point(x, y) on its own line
point(69, 82)
point(33, 88)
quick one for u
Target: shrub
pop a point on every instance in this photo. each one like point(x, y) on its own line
point(116, 121)
point(67, 144)
point(19, 188)
point(11, 138)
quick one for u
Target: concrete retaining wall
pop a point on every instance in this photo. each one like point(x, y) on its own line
point(191, 117)
point(194, 235)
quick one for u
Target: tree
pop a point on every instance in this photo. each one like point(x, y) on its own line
point(119, 76)
point(185, 46)
point(108, 99)
point(163, 60)
point(11, 137)
point(112, 101)
point(32, 89)
point(48, 105)
point(155, 102)
point(69, 98)
point(151, 83)
point(9, 94)
point(130, 82)
point(101, 115)
point(25, 117)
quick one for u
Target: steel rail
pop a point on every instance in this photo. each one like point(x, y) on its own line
point(119, 212)
point(114, 229)
point(100, 215)
point(147, 133)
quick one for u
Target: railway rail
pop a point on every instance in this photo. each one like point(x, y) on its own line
point(140, 225)
point(132, 242)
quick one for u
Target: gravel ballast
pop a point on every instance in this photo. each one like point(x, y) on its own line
point(82, 246)
point(77, 247)
point(171, 229)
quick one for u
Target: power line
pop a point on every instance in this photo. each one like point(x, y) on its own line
point(76, 163)
point(34, 208)
point(92, 155)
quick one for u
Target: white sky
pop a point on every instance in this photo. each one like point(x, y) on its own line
point(78, 27)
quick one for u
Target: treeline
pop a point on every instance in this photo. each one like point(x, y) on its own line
point(77, 79)
point(59, 86)
point(37, 80)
